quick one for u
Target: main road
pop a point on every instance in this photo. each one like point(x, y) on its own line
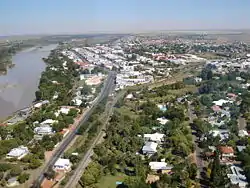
point(74, 179)
point(109, 83)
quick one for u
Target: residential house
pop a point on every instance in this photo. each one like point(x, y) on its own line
point(43, 130)
point(198, 79)
point(216, 108)
point(221, 102)
point(226, 154)
point(242, 133)
point(149, 148)
point(130, 96)
point(62, 165)
point(18, 153)
point(49, 121)
point(240, 79)
point(237, 176)
point(63, 110)
point(225, 113)
point(156, 137)
point(222, 133)
point(162, 120)
point(40, 104)
point(25, 112)
point(160, 166)
point(12, 182)
point(77, 102)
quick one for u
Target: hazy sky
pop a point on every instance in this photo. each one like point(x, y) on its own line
point(85, 16)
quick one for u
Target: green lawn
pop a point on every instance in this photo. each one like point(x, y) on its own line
point(180, 92)
point(165, 98)
point(126, 111)
point(109, 181)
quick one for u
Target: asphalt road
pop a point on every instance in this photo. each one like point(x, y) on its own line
point(73, 181)
point(242, 123)
point(198, 151)
point(109, 83)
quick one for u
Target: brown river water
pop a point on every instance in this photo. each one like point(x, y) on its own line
point(18, 86)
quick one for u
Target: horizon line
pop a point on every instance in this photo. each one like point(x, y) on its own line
point(121, 32)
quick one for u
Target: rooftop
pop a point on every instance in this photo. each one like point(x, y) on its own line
point(159, 166)
point(157, 137)
point(226, 149)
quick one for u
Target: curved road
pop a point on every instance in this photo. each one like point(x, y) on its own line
point(109, 83)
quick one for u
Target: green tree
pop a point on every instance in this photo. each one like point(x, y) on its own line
point(245, 104)
point(216, 173)
point(206, 100)
point(74, 158)
point(4, 167)
point(23, 177)
point(15, 171)
point(50, 174)
point(192, 171)
point(3, 133)
point(86, 90)
point(201, 127)
point(1, 175)
point(92, 174)
point(135, 182)
point(68, 120)
point(73, 112)
point(38, 95)
point(34, 163)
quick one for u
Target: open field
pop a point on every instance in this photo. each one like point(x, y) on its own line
point(110, 181)
point(175, 78)
point(210, 56)
point(180, 92)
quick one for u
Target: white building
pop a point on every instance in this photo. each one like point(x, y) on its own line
point(149, 148)
point(43, 130)
point(62, 165)
point(49, 121)
point(18, 153)
point(159, 166)
point(237, 177)
point(162, 120)
point(77, 101)
point(39, 104)
point(62, 110)
point(223, 134)
point(82, 77)
point(198, 79)
point(242, 133)
point(221, 102)
point(156, 137)
point(130, 96)
point(55, 96)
